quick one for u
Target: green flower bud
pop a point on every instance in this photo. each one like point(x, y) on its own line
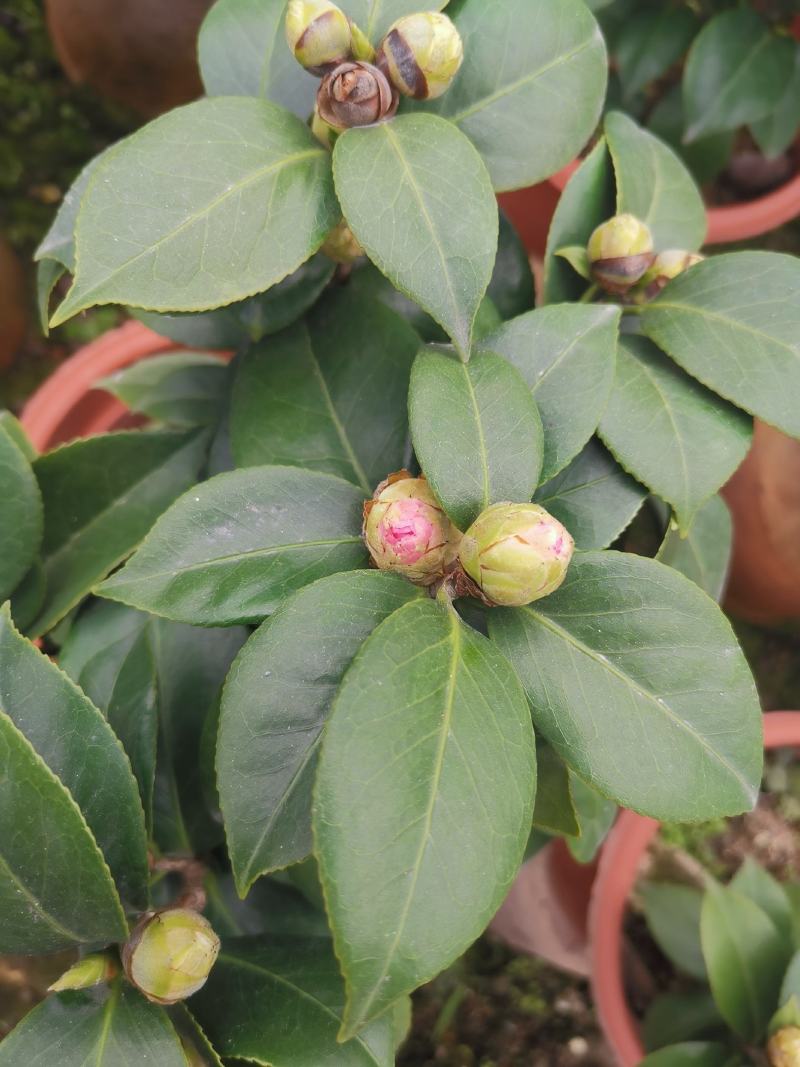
point(170, 954)
point(356, 94)
point(516, 553)
point(421, 54)
point(407, 531)
point(666, 266)
point(620, 251)
point(341, 245)
point(91, 970)
point(319, 34)
point(784, 1048)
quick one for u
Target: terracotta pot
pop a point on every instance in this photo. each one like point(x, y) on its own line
point(67, 406)
point(764, 498)
point(140, 53)
point(619, 868)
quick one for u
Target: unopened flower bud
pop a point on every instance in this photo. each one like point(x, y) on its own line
point(341, 245)
point(421, 54)
point(169, 955)
point(666, 266)
point(516, 553)
point(90, 971)
point(356, 94)
point(784, 1047)
point(620, 251)
point(407, 531)
point(319, 34)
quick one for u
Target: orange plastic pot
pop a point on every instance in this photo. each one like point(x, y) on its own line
point(620, 864)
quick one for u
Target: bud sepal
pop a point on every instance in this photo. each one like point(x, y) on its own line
point(90, 971)
point(170, 953)
point(421, 54)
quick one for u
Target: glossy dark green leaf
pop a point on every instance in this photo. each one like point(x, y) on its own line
point(435, 235)
point(196, 1046)
point(328, 394)
point(109, 1026)
point(97, 646)
point(408, 819)
point(55, 888)
point(279, 1001)
point(525, 58)
point(636, 679)
point(753, 881)
point(554, 809)
point(692, 1054)
point(587, 200)
point(650, 42)
point(101, 496)
point(678, 1017)
point(704, 553)
point(229, 550)
point(669, 432)
point(242, 51)
point(133, 716)
point(566, 354)
point(733, 322)
point(276, 700)
point(181, 388)
point(271, 907)
point(672, 912)
point(375, 17)
point(27, 599)
point(21, 515)
point(746, 957)
point(736, 72)
point(654, 185)
point(593, 497)
point(777, 130)
point(595, 814)
point(476, 431)
point(512, 287)
point(70, 735)
point(238, 194)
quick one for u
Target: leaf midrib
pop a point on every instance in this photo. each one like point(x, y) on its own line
point(482, 451)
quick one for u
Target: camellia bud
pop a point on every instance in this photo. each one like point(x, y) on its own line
point(341, 245)
point(407, 531)
point(356, 94)
point(784, 1047)
point(421, 54)
point(319, 34)
point(620, 251)
point(90, 971)
point(666, 266)
point(170, 954)
point(516, 553)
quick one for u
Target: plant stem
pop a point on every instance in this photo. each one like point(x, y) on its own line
point(590, 294)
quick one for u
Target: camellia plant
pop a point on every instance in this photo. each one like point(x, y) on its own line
point(298, 632)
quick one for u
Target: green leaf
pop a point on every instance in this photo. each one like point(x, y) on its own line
point(596, 815)
point(58, 245)
point(375, 17)
point(476, 432)
point(71, 736)
point(324, 396)
point(587, 200)
point(526, 58)
point(435, 232)
point(777, 130)
point(566, 355)
point(21, 514)
point(27, 599)
point(242, 51)
point(635, 678)
point(654, 185)
point(554, 809)
point(229, 550)
point(109, 1026)
point(706, 157)
point(55, 888)
point(593, 497)
point(733, 322)
point(275, 703)
point(196, 1046)
point(692, 1054)
point(11, 425)
point(674, 1017)
point(181, 388)
point(704, 553)
point(751, 880)
point(97, 646)
point(650, 42)
point(101, 496)
point(672, 912)
point(667, 430)
point(512, 288)
point(238, 194)
point(736, 72)
point(578, 258)
point(746, 957)
point(791, 980)
point(279, 1001)
point(429, 718)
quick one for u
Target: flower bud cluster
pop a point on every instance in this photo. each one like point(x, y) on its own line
point(419, 57)
point(623, 261)
point(510, 556)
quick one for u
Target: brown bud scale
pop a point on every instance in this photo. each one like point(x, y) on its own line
point(356, 94)
point(409, 70)
point(617, 275)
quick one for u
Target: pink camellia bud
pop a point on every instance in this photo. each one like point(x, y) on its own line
point(407, 531)
point(516, 553)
